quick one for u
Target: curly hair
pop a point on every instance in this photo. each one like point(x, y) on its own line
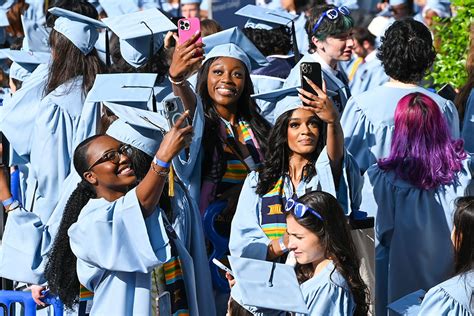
point(276, 41)
point(335, 238)
point(246, 110)
point(277, 156)
point(342, 24)
point(60, 271)
point(407, 51)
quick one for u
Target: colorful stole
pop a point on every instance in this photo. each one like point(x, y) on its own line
point(273, 219)
point(85, 300)
point(169, 277)
point(236, 169)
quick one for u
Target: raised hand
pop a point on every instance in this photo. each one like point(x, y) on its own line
point(320, 104)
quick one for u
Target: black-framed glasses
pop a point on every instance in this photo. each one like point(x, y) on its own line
point(331, 14)
point(299, 209)
point(113, 155)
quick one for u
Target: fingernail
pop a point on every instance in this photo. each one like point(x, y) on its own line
point(306, 78)
point(299, 89)
point(197, 32)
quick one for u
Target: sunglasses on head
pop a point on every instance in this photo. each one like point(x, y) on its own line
point(113, 155)
point(331, 14)
point(299, 209)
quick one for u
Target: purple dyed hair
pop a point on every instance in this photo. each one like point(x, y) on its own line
point(422, 151)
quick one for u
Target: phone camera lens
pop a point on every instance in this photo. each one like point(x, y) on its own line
point(170, 107)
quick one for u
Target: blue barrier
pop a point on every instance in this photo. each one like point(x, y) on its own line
point(9, 298)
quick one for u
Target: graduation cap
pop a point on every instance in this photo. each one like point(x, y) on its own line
point(141, 34)
point(268, 19)
point(36, 36)
point(81, 30)
point(233, 43)
point(286, 99)
point(139, 117)
point(146, 139)
point(267, 285)
point(24, 62)
point(133, 89)
point(189, 1)
point(3, 17)
point(409, 304)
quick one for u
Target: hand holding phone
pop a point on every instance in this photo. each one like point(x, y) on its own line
point(313, 72)
point(174, 108)
point(222, 266)
point(187, 28)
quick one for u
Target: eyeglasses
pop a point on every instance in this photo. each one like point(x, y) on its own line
point(299, 209)
point(113, 155)
point(331, 14)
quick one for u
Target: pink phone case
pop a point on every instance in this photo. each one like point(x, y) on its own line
point(187, 28)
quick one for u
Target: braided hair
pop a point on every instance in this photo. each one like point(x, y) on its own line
point(61, 267)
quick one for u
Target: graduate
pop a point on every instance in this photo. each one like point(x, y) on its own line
point(270, 31)
point(191, 8)
point(329, 29)
point(366, 72)
point(454, 296)
point(411, 193)
point(228, 142)
point(125, 227)
point(305, 153)
point(140, 47)
point(56, 125)
point(406, 53)
point(327, 265)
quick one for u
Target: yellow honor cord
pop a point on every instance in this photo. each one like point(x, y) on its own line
point(171, 182)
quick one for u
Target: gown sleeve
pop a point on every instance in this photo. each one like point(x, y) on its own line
point(247, 238)
point(115, 236)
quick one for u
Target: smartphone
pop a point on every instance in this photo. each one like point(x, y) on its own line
point(222, 266)
point(447, 92)
point(174, 108)
point(313, 72)
point(187, 27)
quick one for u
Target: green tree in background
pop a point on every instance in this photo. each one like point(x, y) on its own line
point(452, 43)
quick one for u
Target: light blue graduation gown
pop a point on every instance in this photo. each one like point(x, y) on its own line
point(247, 238)
point(453, 297)
point(412, 232)
point(263, 84)
point(336, 89)
point(368, 76)
point(53, 143)
point(116, 250)
point(328, 293)
point(368, 121)
point(188, 167)
point(467, 129)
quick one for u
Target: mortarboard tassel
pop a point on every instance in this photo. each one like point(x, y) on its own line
point(171, 182)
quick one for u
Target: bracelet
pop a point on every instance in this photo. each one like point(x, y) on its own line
point(178, 83)
point(161, 163)
point(8, 201)
point(281, 242)
point(162, 173)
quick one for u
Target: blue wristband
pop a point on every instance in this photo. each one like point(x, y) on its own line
point(8, 201)
point(161, 163)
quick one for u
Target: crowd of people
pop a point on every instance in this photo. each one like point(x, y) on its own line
point(134, 157)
